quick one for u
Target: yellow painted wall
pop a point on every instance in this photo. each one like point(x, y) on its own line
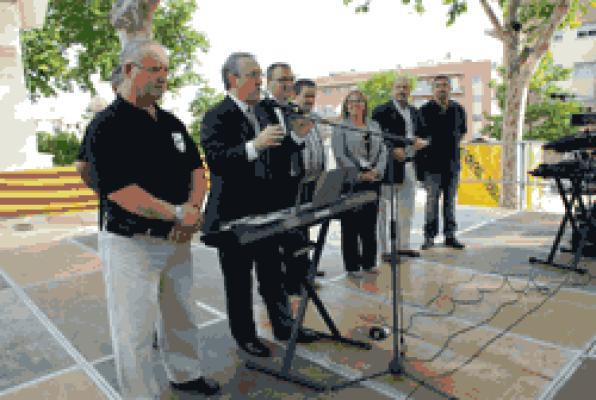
point(480, 172)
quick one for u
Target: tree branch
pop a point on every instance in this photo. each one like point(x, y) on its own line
point(499, 32)
point(512, 38)
point(513, 7)
point(546, 32)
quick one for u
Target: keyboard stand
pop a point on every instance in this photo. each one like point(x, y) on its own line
point(576, 189)
point(308, 292)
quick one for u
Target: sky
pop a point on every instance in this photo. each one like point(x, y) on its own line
point(321, 36)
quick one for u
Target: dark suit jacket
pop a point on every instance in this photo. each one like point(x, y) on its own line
point(391, 121)
point(235, 191)
point(239, 187)
point(278, 160)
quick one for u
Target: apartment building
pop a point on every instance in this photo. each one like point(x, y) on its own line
point(470, 81)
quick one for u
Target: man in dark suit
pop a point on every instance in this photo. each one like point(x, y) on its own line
point(235, 144)
point(286, 166)
point(289, 169)
point(445, 122)
point(399, 118)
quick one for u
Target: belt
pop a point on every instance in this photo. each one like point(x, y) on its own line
point(160, 232)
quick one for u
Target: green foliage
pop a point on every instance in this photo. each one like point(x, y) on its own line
point(531, 13)
point(378, 88)
point(63, 145)
point(454, 9)
point(205, 98)
point(546, 118)
point(84, 27)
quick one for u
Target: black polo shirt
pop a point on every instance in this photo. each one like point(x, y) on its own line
point(126, 146)
point(446, 128)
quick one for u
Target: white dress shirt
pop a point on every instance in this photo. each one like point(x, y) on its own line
point(407, 116)
point(249, 112)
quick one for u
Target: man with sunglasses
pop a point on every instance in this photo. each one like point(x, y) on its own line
point(151, 178)
point(287, 169)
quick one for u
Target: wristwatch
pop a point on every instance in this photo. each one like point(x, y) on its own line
point(179, 213)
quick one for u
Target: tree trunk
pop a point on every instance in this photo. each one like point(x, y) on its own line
point(512, 134)
point(517, 82)
point(520, 66)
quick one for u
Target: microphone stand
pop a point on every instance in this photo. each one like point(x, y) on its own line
point(396, 366)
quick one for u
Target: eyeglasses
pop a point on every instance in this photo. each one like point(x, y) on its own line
point(154, 69)
point(254, 75)
point(285, 79)
point(355, 101)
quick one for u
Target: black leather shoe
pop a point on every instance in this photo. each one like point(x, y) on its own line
point(453, 242)
point(386, 257)
point(304, 335)
point(428, 243)
point(201, 385)
point(255, 347)
point(320, 274)
point(409, 253)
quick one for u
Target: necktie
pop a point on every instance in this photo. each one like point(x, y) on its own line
point(367, 145)
point(250, 114)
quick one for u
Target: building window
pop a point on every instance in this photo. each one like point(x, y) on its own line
point(326, 91)
point(587, 30)
point(477, 98)
point(558, 36)
point(477, 87)
point(423, 87)
point(477, 128)
point(477, 117)
point(455, 84)
point(583, 70)
point(419, 102)
point(329, 111)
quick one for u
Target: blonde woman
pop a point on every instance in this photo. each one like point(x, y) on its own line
point(355, 146)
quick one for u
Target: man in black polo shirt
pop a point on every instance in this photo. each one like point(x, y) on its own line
point(88, 174)
point(150, 174)
point(445, 122)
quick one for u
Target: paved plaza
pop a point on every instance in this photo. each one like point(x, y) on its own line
point(481, 323)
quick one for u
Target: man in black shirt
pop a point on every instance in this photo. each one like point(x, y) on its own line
point(150, 174)
point(88, 174)
point(445, 122)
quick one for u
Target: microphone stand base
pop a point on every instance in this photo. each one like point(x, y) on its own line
point(396, 366)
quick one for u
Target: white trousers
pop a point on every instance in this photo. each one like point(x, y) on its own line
point(133, 268)
point(405, 194)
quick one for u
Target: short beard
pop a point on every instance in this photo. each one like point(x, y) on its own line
point(146, 98)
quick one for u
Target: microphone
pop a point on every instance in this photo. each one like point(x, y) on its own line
point(290, 109)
